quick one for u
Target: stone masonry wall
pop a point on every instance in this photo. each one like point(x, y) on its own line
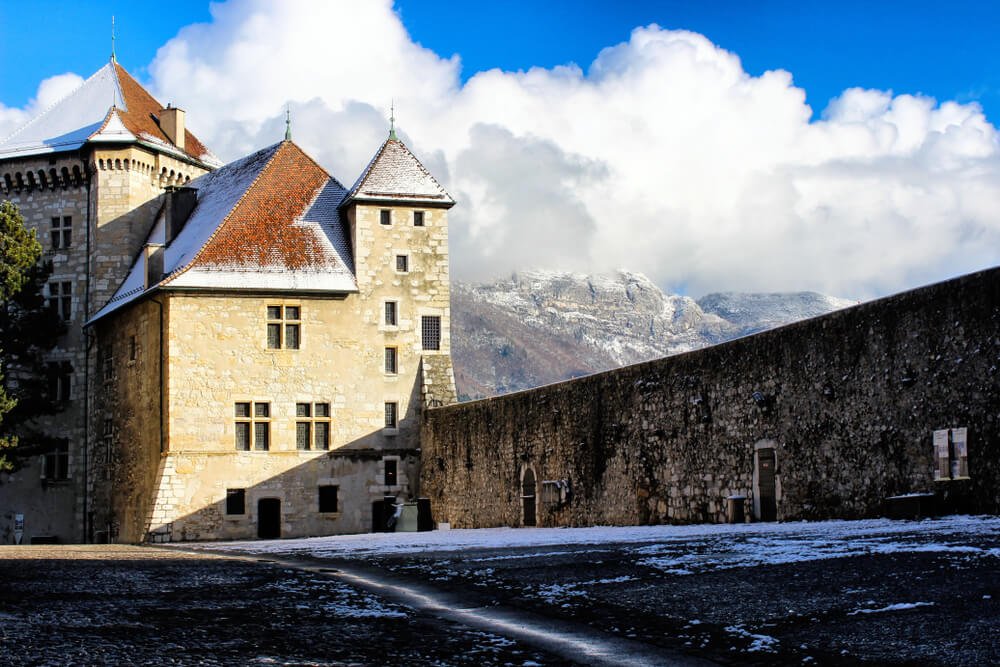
point(848, 401)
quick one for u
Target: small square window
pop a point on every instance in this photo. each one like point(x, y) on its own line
point(390, 472)
point(261, 409)
point(418, 218)
point(390, 414)
point(236, 501)
point(274, 312)
point(390, 313)
point(385, 216)
point(303, 410)
point(291, 312)
point(322, 409)
point(402, 263)
point(242, 410)
point(328, 499)
point(390, 360)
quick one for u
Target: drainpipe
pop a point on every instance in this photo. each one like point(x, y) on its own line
point(88, 342)
point(159, 307)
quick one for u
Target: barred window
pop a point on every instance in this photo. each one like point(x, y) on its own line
point(418, 218)
point(402, 263)
point(390, 360)
point(108, 363)
point(430, 332)
point(283, 327)
point(385, 216)
point(62, 232)
point(259, 424)
point(391, 408)
point(391, 312)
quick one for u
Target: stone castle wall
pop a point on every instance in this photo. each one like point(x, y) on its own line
point(849, 403)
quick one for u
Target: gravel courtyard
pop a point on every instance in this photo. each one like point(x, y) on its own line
point(865, 592)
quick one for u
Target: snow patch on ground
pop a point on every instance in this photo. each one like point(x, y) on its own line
point(899, 606)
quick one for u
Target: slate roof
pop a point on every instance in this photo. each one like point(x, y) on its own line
point(110, 106)
point(269, 221)
point(396, 175)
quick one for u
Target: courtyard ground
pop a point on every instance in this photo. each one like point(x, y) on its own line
point(863, 592)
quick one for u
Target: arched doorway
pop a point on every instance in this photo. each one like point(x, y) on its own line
point(528, 497)
point(268, 518)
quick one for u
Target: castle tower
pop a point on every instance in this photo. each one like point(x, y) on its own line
point(87, 175)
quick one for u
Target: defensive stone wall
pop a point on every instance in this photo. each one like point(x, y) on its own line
point(848, 404)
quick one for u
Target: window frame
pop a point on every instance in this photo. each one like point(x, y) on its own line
point(391, 360)
point(391, 415)
point(402, 263)
point(60, 298)
point(419, 219)
point(61, 232)
point(430, 332)
point(393, 307)
point(288, 320)
point(317, 420)
point(385, 217)
point(252, 419)
point(55, 463)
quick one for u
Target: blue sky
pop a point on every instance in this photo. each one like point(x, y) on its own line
point(704, 153)
point(943, 49)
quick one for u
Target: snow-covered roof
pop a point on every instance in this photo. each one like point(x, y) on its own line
point(396, 175)
point(110, 106)
point(269, 221)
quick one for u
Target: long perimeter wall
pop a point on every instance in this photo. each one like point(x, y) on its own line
point(848, 402)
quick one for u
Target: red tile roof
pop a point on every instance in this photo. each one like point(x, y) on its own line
point(142, 115)
point(260, 231)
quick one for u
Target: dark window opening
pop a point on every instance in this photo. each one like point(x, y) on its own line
point(390, 472)
point(60, 380)
point(57, 463)
point(390, 313)
point(385, 217)
point(60, 299)
point(283, 327)
point(62, 232)
point(390, 415)
point(402, 263)
point(390, 360)
point(418, 218)
point(236, 501)
point(328, 499)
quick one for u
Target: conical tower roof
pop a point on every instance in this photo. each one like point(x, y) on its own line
point(395, 175)
point(109, 107)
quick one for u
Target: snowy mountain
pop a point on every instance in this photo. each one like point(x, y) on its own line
point(539, 327)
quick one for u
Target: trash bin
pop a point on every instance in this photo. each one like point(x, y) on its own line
point(735, 509)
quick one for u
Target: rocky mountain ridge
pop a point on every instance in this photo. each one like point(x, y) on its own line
point(539, 327)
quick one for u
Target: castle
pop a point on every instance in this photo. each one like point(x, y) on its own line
point(248, 347)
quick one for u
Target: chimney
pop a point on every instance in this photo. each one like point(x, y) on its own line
point(153, 261)
point(172, 124)
point(180, 201)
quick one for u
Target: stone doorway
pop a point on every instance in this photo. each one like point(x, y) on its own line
point(268, 518)
point(528, 497)
point(766, 492)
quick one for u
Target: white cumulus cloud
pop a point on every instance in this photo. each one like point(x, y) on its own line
point(663, 155)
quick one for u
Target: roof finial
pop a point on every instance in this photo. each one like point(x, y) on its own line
point(288, 123)
point(113, 59)
point(392, 121)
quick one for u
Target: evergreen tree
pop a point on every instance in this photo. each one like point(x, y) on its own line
point(28, 329)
